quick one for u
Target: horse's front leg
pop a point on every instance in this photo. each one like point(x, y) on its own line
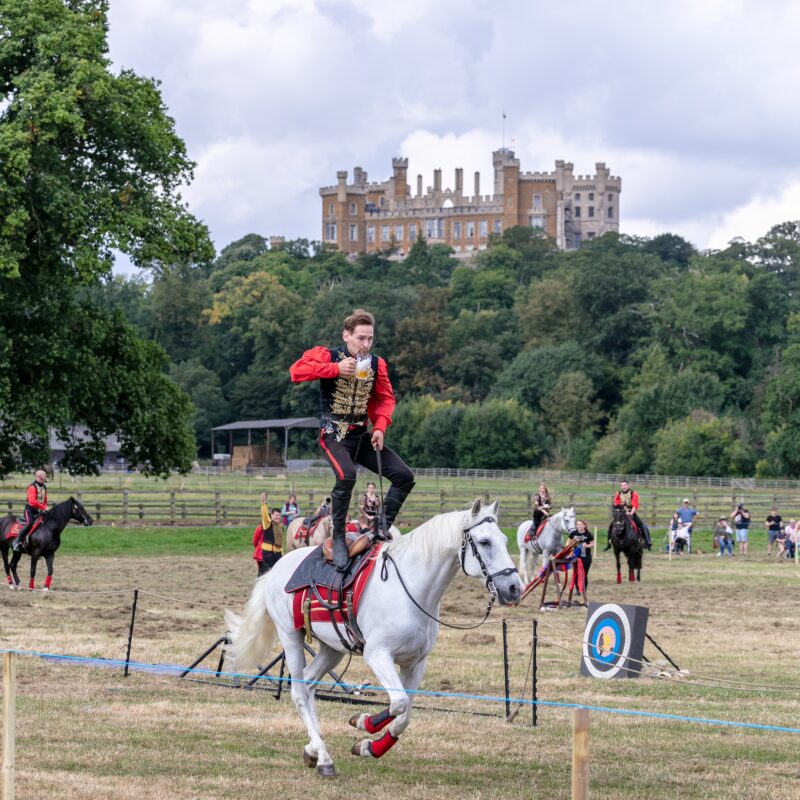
point(7, 567)
point(49, 559)
point(34, 562)
point(523, 563)
point(619, 566)
point(13, 567)
point(315, 754)
point(380, 661)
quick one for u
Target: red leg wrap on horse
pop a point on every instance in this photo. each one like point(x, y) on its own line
point(10, 581)
point(47, 581)
point(377, 722)
point(379, 747)
point(30, 584)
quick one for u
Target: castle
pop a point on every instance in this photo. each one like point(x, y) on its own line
point(363, 217)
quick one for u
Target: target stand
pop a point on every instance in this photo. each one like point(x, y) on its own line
point(613, 641)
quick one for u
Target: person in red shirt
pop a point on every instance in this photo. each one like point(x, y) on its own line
point(354, 390)
point(628, 499)
point(35, 506)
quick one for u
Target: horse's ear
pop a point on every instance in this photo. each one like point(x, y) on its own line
point(495, 507)
point(476, 507)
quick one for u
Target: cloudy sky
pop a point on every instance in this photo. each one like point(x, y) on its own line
point(693, 103)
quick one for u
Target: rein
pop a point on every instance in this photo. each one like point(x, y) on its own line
point(489, 577)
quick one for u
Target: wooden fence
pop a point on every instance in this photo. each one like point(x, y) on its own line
point(221, 507)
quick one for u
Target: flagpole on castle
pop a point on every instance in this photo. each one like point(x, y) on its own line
point(504, 130)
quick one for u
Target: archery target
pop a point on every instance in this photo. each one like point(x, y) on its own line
point(613, 640)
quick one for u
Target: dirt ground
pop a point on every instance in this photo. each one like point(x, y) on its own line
point(88, 732)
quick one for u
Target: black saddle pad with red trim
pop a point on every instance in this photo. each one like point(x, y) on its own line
point(316, 570)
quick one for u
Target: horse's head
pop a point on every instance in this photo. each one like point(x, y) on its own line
point(620, 518)
point(569, 520)
point(79, 513)
point(484, 553)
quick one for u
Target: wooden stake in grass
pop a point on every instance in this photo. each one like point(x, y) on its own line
point(580, 754)
point(9, 722)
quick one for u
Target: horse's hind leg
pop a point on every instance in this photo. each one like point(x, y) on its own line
point(32, 582)
point(324, 661)
point(315, 753)
point(6, 567)
point(380, 661)
point(13, 567)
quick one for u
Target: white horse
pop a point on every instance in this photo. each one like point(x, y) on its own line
point(396, 632)
point(547, 544)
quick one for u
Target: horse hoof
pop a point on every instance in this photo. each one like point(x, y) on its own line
point(361, 748)
point(326, 770)
point(45, 590)
point(309, 759)
point(355, 719)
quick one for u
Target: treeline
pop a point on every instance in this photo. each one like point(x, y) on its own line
point(638, 355)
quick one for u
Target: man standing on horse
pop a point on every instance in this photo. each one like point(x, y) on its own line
point(354, 389)
point(628, 499)
point(35, 506)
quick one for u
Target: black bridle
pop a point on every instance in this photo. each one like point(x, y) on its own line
point(467, 539)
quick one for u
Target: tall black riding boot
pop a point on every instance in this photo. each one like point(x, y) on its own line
point(340, 500)
point(395, 498)
point(19, 542)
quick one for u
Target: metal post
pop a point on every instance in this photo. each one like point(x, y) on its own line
point(505, 670)
point(534, 679)
point(130, 632)
point(172, 508)
point(9, 722)
point(216, 506)
point(124, 506)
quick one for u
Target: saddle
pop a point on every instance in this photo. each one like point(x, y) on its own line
point(18, 525)
point(323, 594)
point(307, 528)
point(532, 534)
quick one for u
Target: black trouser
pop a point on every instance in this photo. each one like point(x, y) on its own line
point(268, 561)
point(356, 448)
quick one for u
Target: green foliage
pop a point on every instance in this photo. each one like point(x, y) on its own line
point(498, 434)
point(89, 163)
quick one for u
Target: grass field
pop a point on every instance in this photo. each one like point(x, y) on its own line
point(85, 732)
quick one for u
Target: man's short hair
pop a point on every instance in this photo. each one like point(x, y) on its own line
point(276, 511)
point(358, 317)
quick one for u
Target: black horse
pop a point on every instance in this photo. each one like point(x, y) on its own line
point(626, 538)
point(43, 542)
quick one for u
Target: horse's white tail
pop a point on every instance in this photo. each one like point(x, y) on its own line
point(253, 636)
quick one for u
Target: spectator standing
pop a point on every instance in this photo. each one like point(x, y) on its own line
point(687, 514)
point(773, 526)
point(586, 538)
point(290, 510)
point(370, 504)
point(723, 533)
point(791, 538)
point(272, 537)
point(741, 518)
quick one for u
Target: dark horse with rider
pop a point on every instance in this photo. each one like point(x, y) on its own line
point(627, 533)
point(38, 532)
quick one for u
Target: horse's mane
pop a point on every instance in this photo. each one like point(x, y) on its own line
point(442, 532)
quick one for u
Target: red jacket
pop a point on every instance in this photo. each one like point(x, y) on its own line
point(258, 538)
point(634, 500)
point(34, 493)
point(316, 363)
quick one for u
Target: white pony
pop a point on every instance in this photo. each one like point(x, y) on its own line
point(396, 632)
point(547, 544)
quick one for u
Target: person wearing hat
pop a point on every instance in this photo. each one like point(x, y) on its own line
point(687, 515)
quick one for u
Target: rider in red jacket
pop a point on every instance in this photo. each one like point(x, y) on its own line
point(628, 499)
point(35, 506)
point(354, 390)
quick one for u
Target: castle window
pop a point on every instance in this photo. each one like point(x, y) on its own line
point(385, 233)
point(591, 211)
point(352, 208)
point(354, 233)
point(456, 230)
point(577, 240)
point(610, 197)
point(577, 195)
point(434, 228)
point(330, 231)
point(577, 211)
point(370, 233)
point(412, 233)
point(537, 201)
point(470, 230)
point(590, 235)
point(591, 197)
point(398, 233)
point(498, 226)
point(484, 228)
point(382, 201)
point(536, 222)
point(611, 212)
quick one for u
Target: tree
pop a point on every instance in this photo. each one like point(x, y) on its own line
point(570, 409)
point(89, 163)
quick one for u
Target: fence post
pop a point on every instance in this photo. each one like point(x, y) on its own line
point(97, 515)
point(505, 670)
point(130, 631)
point(172, 508)
point(124, 506)
point(216, 506)
point(9, 722)
point(141, 510)
point(580, 754)
point(441, 501)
